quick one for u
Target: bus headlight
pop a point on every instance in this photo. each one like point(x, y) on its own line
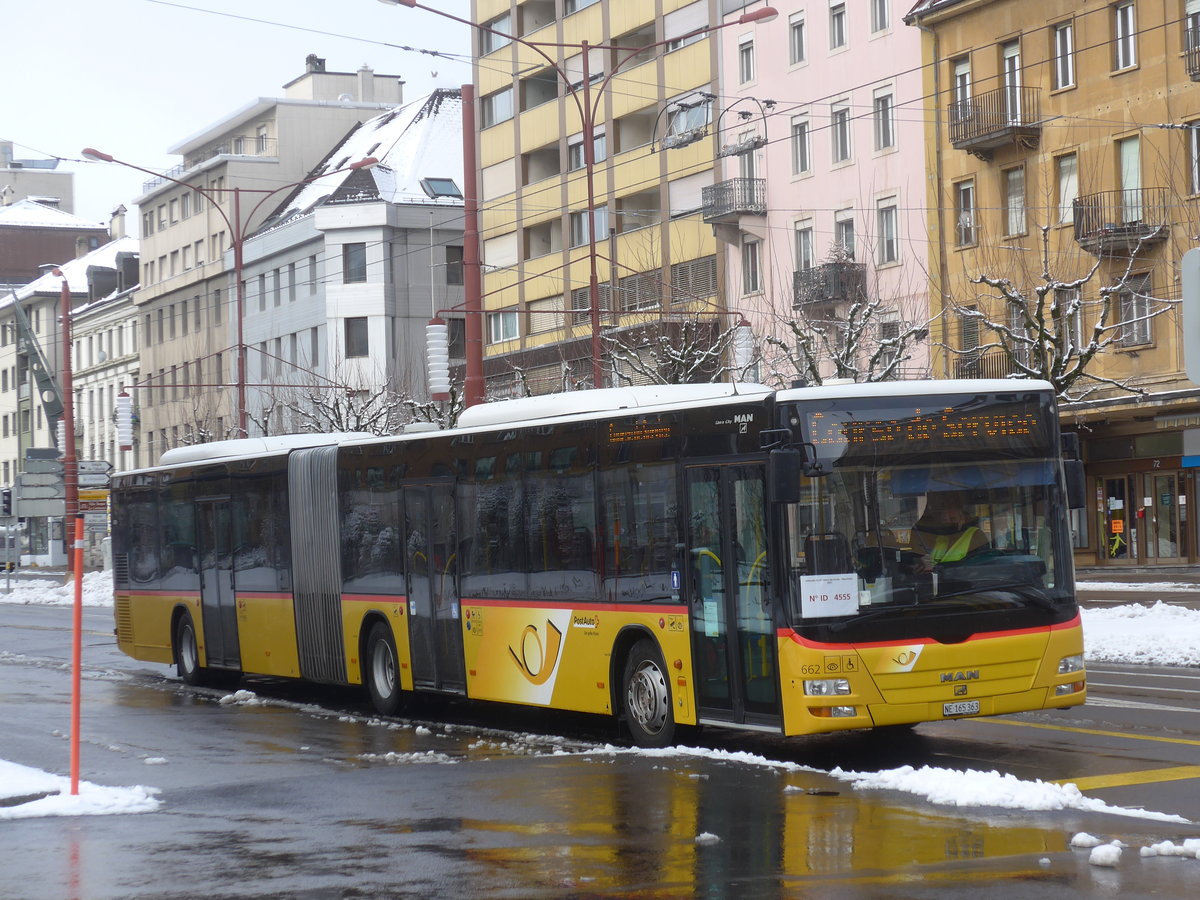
point(1069, 664)
point(826, 687)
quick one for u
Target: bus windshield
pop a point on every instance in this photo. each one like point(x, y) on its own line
point(918, 516)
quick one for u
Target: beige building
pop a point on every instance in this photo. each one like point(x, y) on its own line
point(1064, 152)
point(655, 259)
point(232, 175)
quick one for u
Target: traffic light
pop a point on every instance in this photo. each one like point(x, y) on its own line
point(6, 502)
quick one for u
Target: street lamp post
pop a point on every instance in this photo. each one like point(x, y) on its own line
point(587, 117)
point(237, 239)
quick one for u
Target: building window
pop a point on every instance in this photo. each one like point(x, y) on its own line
point(496, 108)
point(964, 213)
point(1124, 37)
point(746, 60)
point(960, 87)
point(354, 263)
point(357, 343)
point(185, 205)
point(839, 129)
point(262, 292)
point(751, 267)
point(885, 119)
point(575, 157)
point(801, 146)
point(1014, 200)
point(805, 255)
point(837, 26)
point(312, 274)
point(843, 231)
point(580, 234)
point(454, 265)
point(880, 17)
point(797, 39)
point(1066, 174)
point(1064, 55)
point(1068, 319)
point(1193, 156)
point(889, 248)
point(1134, 310)
point(489, 42)
point(502, 326)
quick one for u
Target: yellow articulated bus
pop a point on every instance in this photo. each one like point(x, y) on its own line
point(791, 561)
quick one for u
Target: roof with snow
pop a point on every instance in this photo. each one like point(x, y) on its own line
point(76, 271)
point(31, 214)
point(422, 139)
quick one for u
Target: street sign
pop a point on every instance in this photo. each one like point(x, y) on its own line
point(93, 481)
point(39, 492)
point(42, 453)
point(30, 508)
point(44, 466)
point(36, 479)
point(94, 466)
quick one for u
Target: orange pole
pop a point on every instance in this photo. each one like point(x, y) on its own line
point(76, 655)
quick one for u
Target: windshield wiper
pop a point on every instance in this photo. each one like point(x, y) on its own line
point(1023, 590)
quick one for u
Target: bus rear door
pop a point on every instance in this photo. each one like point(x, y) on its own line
point(434, 615)
point(729, 595)
point(218, 605)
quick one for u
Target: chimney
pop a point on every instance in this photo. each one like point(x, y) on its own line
point(81, 247)
point(314, 63)
point(116, 223)
point(399, 91)
point(366, 84)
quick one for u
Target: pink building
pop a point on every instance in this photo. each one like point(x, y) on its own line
point(821, 203)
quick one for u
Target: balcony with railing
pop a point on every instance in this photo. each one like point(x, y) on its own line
point(1117, 222)
point(728, 200)
point(1006, 116)
point(832, 282)
point(239, 146)
point(1191, 52)
point(985, 365)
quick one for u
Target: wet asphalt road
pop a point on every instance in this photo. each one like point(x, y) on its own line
point(310, 796)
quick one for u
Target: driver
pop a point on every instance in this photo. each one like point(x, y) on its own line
point(947, 532)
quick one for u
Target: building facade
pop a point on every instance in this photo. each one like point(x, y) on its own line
point(591, 173)
point(232, 176)
point(820, 202)
point(1063, 154)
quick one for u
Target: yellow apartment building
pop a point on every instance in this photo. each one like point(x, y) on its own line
point(1063, 149)
point(648, 110)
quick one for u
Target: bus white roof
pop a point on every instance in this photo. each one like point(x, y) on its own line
point(253, 447)
point(885, 389)
point(579, 403)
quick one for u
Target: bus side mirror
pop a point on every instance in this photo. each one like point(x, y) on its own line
point(1076, 483)
point(784, 467)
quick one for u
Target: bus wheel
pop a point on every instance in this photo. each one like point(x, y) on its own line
point(647, 697)
point(381, 672)
point(187, 654)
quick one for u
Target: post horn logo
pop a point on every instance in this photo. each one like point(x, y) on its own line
point(536, 662)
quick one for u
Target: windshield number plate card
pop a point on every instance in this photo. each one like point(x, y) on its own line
point(961, 708)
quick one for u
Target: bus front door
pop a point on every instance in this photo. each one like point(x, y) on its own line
point(434, 618)
point(729, 595)
point(218, 604)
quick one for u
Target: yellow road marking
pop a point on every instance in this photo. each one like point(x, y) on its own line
point(1125, 779)
point(1068, 728)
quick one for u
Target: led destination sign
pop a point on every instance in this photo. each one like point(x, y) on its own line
point(924, 429)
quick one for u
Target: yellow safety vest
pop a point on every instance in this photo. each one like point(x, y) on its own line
point(944, 551)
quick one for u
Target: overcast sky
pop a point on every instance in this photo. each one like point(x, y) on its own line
point(135, 77)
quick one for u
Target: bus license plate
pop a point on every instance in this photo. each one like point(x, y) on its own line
point(962, 708)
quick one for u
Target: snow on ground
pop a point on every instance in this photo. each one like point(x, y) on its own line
point(27, 793)
point(1157, 634)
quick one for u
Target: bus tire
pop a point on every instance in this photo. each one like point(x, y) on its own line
point(381, 671)
point(646, 697)
point(187, 652)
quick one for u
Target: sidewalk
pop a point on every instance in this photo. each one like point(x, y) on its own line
point(1176, 585)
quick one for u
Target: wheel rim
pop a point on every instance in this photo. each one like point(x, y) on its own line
point(189, 657)
point(383, 669)
point(649, 703)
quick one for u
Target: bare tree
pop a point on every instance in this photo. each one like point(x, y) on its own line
point(1037, 327)
point(839, 328)
point(679, 348)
